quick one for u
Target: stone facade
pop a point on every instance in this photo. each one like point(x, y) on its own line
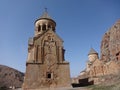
point(46, 66)
point(96, 69)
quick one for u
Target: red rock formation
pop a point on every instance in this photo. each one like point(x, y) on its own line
point(110, 45)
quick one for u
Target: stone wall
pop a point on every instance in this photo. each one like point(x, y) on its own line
point(36, 76)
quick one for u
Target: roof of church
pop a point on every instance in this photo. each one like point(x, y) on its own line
point(45, 15)
point(92, 51)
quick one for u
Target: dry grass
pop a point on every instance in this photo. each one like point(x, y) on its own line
point(113, 83)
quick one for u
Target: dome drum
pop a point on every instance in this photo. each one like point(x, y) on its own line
point(44, 24)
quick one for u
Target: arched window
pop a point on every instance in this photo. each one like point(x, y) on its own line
point(44, 27)
point(39, 28)
point(49, 26)
point(53, 28)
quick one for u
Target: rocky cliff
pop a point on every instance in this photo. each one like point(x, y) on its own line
point(109, 62)
point(110, 45)
point(10, 77)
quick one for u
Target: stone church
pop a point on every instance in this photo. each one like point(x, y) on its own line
point(46, 66)
point(109, 62)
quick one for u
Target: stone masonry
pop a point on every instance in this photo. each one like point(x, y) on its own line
point(46, 66)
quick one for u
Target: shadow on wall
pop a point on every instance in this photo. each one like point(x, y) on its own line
point(82, 83)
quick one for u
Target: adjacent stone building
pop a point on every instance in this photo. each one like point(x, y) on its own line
point(109, 61)
point(46, 66)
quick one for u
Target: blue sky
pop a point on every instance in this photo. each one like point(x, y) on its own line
point(80, 23)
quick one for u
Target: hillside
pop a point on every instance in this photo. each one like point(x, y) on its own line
point(10, 77)
point(112, 82)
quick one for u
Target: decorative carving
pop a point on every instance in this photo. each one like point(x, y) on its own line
point(50, 46)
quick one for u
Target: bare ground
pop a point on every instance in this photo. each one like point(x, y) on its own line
point(80, 88)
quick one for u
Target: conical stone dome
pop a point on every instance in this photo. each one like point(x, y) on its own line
point(92, 51)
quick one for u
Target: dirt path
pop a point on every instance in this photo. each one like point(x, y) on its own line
point(80, 88)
